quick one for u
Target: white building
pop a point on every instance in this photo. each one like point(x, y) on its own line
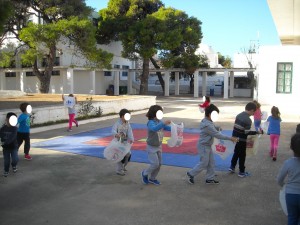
point(279, 66)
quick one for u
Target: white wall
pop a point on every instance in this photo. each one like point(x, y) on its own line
point(267, 72)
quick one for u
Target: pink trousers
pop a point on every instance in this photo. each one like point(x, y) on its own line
point(274, 139)
point(72, 120)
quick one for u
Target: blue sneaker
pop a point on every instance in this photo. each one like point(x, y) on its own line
point(144, 178)
point(155, 182)
point(245, 174)
point(231, 170)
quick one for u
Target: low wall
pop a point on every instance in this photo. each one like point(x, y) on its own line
point(57, 112)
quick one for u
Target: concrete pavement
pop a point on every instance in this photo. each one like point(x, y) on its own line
point(57, 188)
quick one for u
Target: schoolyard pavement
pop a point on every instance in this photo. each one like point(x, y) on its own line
point(60, 188)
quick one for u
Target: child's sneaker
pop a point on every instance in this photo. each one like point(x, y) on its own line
point(245, 174)
point(212, 181)
point(231, 170)
point(190, 178)
point(121, 173)
point(274, 158)
point(155, 182)
point(27, 157)
point(5, 174)
point(69, 130)
point(145, 179)
point(15, 169)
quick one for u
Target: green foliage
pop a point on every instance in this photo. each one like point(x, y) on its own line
point(6, 10)
point(146, 28)
point(87, 109)
point(224, 61)
point(63, 22)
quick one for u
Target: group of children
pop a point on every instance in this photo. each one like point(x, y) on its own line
point(13, 136)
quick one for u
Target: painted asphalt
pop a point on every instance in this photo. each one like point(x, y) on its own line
point(64, 188)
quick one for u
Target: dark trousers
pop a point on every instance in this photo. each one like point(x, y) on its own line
point(10, 154)
point(239, 155)
point(293, 208)
point(26, 138)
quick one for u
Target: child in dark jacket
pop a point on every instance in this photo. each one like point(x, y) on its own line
point(8, 135)
point(241, 129)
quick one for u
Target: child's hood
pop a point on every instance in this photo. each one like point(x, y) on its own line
point(206, 123)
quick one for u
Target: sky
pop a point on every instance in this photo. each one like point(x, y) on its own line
point(228, 26)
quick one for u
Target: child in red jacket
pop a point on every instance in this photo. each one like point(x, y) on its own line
point(205, 104)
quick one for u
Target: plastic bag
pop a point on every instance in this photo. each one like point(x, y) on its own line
point(116, 150)
point(223, 148)
point(201, 109)
point(282, 200)
point(176, 138)
point(264, 115)
point(252, 145)
point(265, 126)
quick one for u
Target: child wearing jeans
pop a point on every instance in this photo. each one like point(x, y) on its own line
point(257, 116)
point(207, 133)
point(8, 135)
point(154, 144)
point(291, 171)
point(24, 130)
point(122, 131)
point(274, 131)
point(71, 112)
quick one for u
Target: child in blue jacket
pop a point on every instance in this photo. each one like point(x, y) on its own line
point(154, 144)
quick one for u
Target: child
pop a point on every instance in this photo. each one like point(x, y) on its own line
point(206, 103)
point(207, 133)
point(257, 116)
point(24, 130)
point(274, 131)
point(154, 144)
point(122, 131)
point(8, 134)
point(71, 112)
point(298, 128)
point(291, 170)
point(241, 129)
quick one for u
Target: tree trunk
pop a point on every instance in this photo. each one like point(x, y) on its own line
point(159, 76)
point(45, 77)
point(144, 77)
point(191, 83)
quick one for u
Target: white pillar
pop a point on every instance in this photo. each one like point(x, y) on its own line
point(129, 82)
point(196, 85)
point(231, 84)
point(176, 83)
point(116, 82)
point(93, 82)
point(70, 81)
point(167, 83)
point(22, 79)
point(204, 81)
point(2, 80)
point(226, 84)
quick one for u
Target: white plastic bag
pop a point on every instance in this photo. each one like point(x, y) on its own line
point(252, 145)
point(282, 200)
point(223, 148)
point(116, 150)
point(176, 138)
point(201, 109)
point(264, 115)
point(265, 126)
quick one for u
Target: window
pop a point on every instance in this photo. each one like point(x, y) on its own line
point(125, 73)
point(107, 73)
point(284, 77)
point(10, 74)
point(55, 73)
point(30, 74)
point(56, 62)
point(117, 66)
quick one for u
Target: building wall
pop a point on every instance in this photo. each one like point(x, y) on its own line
point(288, 103)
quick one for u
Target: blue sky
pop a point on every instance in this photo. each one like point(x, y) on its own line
point(228, 26)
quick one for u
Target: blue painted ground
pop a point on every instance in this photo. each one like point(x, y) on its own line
point(77, 144)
